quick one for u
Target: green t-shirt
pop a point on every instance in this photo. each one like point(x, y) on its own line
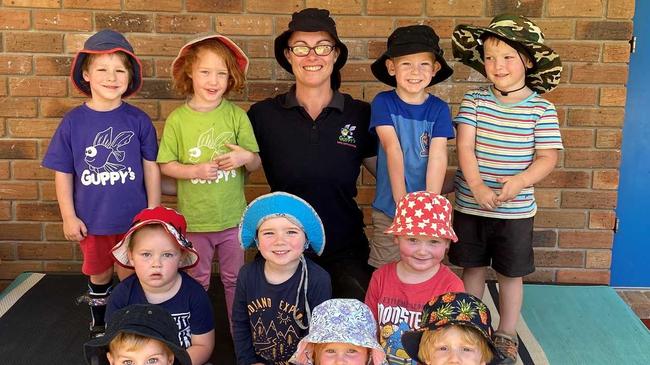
point(192, 137)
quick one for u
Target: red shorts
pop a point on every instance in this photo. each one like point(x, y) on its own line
point(97, 253)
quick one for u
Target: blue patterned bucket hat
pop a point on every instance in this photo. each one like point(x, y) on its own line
point(104, 42)
point(343, 321)
point(285, 205)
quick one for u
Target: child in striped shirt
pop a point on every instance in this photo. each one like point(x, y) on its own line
point(508, 140)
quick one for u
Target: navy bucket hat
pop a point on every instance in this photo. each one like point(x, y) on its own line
point(104, 42)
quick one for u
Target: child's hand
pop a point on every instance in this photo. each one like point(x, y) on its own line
point(206, 170)
point(74, 229)
point(512, 186)
point(485, 197)
point(234, 159)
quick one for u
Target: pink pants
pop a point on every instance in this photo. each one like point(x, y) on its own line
point(223, 245)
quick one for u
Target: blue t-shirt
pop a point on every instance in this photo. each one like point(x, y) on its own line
point(103, 151)
point(264, 327)
point(415, 126)
point(190, 307)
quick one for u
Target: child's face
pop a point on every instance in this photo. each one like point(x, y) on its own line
point(503, 66)
point(341, 353)
point(280, 241)
point(155, 256)
point(152, 352)
point(108, 78)
point(209, 80)
point(413, 73)
point(452, 348)
point(421, 254)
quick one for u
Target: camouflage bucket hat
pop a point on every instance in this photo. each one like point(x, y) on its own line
point(467, 46)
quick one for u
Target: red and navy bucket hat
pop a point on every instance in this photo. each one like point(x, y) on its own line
point(104, 42)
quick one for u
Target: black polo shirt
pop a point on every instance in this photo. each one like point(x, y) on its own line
point(319, 161)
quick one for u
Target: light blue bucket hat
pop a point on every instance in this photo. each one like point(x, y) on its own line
point(343, 321)
point(285, 205)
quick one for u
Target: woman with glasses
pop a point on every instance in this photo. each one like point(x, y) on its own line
point(313, 140)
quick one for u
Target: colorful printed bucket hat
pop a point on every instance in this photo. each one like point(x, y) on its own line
point(409, 40)
point(104, 42)
point(467, 43)
point(312, 20)
point(281, 204)
point(460, 309)
point(174, 224)
point(240, 57)
point(423, 213)
point(340, 320)
point(146, 320)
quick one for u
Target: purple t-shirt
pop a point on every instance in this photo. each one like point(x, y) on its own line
point(104, 151)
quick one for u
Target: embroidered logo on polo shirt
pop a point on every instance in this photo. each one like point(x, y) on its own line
point(347, 136)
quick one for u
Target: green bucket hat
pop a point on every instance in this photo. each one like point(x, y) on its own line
point(467, 47)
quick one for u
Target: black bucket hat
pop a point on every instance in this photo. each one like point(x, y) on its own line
point(147, 320)
point(312, 20)
point(103, 42)
point(409, 40)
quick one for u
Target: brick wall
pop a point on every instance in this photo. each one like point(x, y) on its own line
point(38, 39)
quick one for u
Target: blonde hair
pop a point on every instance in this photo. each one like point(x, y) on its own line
point(469, 335)
point(153, 227)
point(236, 77)
point(133, 342)
point(318, 348)
point(126, 61)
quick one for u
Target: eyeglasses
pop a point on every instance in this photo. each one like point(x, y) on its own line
point(319, 50)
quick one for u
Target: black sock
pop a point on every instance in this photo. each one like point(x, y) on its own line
point(97, 311)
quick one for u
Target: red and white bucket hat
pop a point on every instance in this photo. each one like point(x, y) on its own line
point(240, 57)
point(423, 213)
point(174, 224)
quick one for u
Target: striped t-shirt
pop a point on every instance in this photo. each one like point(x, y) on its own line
point(507, 136)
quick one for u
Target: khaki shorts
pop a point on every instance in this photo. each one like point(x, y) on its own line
point(383, 248)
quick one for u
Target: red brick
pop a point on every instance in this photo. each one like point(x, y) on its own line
point(62, 266)
point(20, 231)
point(555, 29)
point(565, 179)
point(540, 276)
point(337, 6)
point(589, 199)
point(158, 5)
point(259, 48)
point(584, 8)
point(598, 259)
point(125, 22)
point(616, 52)
point(38, 212)
point(93, 4)
point(33, 3)
point(442, 26)
point(17, 149)
point(214, 6)
point(544, 238)
point(148, 106)
point(364, 27)
point(15, 64)
point(15, 19)
point(48, 191)
point(602, 219)
point(63, 20)
point(605, 179)
point(37, 86)
point(260, 70)
point(586, 239)
point(34, 42)
point(529, 8)
point(354, 71)
point(3, 86)
point(454, 8)
point(599, 74)
point(367, 178)
point(578, 137)
point(257, 177)
point(393, 8)
point(167, 106)
point(261, 90)
point(600, 117)
point(7, 250)
point(178, 23)
point(18, 191)
point(157, 89)
point(45, 251)
point(5, 211)
point(606, 30)
point(54, 232)
point(547, 198)
point(577, 51)
point(277, 7)
point(57, 107)
point(355, 90)
point(591, 158)
point(583, 276)
point(52, 65)
point(4, 170)
point(245, 25)
point(151, 45)
point(30, 170)
point(608, 138)
point(613, 96)
point(11, 269)
point(559, 219)
point(253, 192)
point(559, 258)
point(365, 195)
point(568, 95)
point(620, 9)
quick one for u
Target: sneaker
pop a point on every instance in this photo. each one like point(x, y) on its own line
point(507, 346)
